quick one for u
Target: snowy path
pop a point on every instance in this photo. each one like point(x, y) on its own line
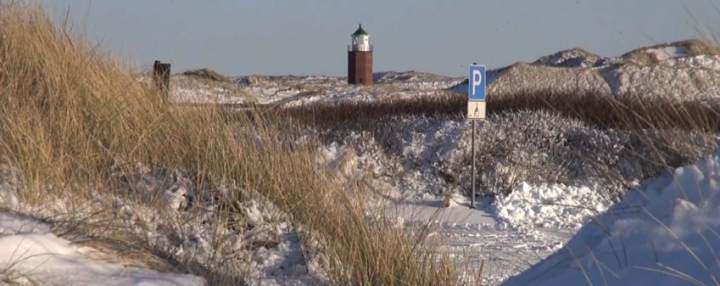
point(500, 253)
point(477, 237)
point(31, 255)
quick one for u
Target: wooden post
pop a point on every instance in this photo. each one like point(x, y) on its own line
point(161, 76)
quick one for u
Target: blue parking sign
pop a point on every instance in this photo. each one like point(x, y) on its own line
point(477, 82)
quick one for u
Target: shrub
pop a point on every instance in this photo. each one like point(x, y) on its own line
point(536, 137)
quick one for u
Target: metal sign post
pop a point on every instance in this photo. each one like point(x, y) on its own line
point(472, 142)
point(477, 90)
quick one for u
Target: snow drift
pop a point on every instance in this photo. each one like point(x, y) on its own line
point(663, 233)
point(31, 255)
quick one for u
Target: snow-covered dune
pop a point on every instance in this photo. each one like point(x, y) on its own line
point(543, 176)
point(664, 233)
point(31, 255)
point(686, 70)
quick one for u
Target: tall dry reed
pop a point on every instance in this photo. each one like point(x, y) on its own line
point(70, 117)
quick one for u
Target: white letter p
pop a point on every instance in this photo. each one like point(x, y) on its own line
point(476, 80)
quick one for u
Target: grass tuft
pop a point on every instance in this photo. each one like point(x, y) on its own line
point(72, 117)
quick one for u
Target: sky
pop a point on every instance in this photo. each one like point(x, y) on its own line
point(309, 37)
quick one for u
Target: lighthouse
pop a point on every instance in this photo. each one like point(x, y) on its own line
point(360, 58)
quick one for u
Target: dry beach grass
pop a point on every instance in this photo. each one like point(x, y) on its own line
point(599, 110)
point(72, 117)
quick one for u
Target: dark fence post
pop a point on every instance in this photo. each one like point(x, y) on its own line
point(161, 76)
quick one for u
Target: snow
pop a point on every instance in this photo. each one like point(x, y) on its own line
point(269, 95)
point(15, 224)
point(572, 58)
point(474, 237)
point(664, 233)
point(567, 231)
point(191, 90)
point(214, 95)
point(665, 53)
point(300, 90)
point(30, 254)
point(555, 206)
point(163, 209)
point(673, 72)
point(282, 264)
point(506, 236)
point(405, 159)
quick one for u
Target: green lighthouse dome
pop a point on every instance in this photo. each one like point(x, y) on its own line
point(360, 31)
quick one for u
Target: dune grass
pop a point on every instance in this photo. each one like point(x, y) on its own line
point(599, 110)
point(72, 117)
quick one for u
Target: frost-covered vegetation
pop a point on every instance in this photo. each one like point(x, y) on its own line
point(531, 146)
point(102, 157)
point(306, 180)
point(545, 167)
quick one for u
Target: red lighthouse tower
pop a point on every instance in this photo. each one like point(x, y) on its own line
point(360, 58)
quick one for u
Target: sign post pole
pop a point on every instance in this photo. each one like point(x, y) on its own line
point(477, 89)
point(472, 200)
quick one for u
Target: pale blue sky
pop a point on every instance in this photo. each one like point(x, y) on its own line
point(310, 37)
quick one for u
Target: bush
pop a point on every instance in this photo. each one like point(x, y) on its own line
point(535, 138)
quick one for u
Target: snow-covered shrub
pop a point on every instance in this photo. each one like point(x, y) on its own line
point(541, 147)
point(535, 147)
